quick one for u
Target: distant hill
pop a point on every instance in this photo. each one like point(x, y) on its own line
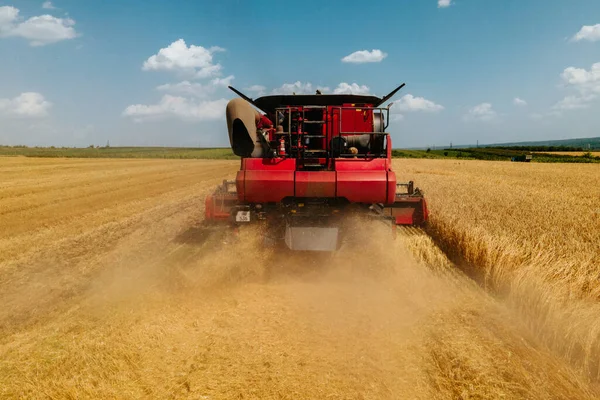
point(594, 144)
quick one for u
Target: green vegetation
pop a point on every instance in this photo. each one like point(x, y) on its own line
point(494, 154)
point(579, 143)
point(418, 154)
point(118, 152)
point(539, 148)
point(481, 153)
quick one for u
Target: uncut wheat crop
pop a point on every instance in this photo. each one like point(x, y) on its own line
point(530, 233)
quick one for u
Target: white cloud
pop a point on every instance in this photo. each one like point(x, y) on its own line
point(28, 104)
point(178, 107)
point(308, 88)
point(193, 60)
point(587, 83)
point(574, 102)
point(394, 117)
point(588, 32)
point(354, 88)
point(481, 112)
point(260, 90)
point(40, 30)
point(186, 100)
point(299, 88)
point(8, 16)
point(196, 89)
point(365, 56)
point(188, 88)
point(409, 103)
point(583, 80)
point(213, 70)
point(223, 81)
point(48, 5)
point(444, 3)
point(519, 102)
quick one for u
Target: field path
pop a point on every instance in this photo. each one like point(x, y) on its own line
point(111, 287)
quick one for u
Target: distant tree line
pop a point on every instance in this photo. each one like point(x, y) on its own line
point(508, 153)
point(540, 148)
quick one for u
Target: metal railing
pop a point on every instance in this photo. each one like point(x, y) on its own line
point(329, 115)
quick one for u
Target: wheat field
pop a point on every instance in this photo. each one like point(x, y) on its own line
point(531, 234)
point(112, 287)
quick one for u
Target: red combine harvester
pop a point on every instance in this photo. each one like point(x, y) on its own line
point(307, 162)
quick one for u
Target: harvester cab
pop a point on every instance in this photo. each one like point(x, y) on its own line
point(309, 160)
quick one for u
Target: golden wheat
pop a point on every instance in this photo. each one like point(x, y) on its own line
point(531, 232)
point(113, 288)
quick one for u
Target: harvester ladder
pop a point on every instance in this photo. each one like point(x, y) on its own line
point(315, 153)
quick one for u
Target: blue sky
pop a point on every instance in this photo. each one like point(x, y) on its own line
point(155, 72)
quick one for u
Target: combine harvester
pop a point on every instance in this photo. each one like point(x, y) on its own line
point(307, 162)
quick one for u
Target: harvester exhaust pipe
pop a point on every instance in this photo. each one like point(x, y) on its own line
point(241, 124)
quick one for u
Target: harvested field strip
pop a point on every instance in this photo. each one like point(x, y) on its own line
point(56, 236)
point(61, 203)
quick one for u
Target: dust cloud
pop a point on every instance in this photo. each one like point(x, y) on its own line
point(192, 311)
point(381, 318)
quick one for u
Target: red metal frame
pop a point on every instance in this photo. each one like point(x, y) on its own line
point(366, 179)
point(217, 206)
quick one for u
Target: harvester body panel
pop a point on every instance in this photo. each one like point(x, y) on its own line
point(315, 184)
point(309, 159)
